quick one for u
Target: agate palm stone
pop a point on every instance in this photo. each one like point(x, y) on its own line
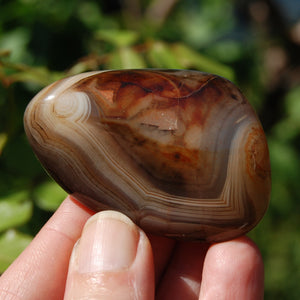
point(182, 153)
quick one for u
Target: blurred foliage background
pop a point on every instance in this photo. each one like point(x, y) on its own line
point(256, 44)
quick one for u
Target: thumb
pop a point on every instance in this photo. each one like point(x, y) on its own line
point(111, 260)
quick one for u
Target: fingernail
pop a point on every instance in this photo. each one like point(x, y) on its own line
point(108, 243)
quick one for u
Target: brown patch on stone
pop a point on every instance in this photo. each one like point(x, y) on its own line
point(257, 154)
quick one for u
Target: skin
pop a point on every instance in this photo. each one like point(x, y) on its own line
point(114, 259)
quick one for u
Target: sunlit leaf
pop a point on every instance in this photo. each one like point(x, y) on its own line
point(126, 58)
point(49, 195)
point(12, 243)
point(119, 38)
point(15, 41)
point(88, 63)
point(190, 59)
point(89, 13)
point(15, 210)
point(161, 56)
point(37, 75)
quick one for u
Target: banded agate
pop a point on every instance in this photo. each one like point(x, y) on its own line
point(182, 153)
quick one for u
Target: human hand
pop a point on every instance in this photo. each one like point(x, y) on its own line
point(114, 259)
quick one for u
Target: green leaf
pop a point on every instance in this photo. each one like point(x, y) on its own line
point(285, 130)
point(15, 210)
point(227, 50)
point(15, 41)
point(118, 38)
point(285, 160)
point(190, 58)
point(126, 58)
point(49, 195)
point(288, 128)
point(162, 56)
point(40, 76)
point(12, 243)
point(90, 14)
point(293, 106)
point(89, 63)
